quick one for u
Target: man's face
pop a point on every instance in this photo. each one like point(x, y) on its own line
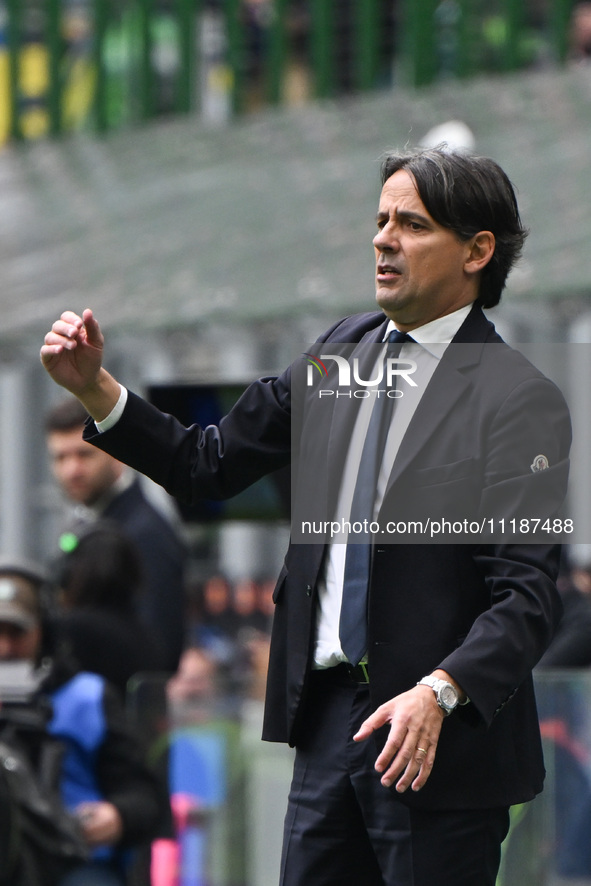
point(83, 471)
point(423, 270)
point(17, 644)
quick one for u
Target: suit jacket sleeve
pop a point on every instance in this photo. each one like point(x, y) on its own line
point(254, 439)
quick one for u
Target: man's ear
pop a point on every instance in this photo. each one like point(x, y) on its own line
point(482, 247)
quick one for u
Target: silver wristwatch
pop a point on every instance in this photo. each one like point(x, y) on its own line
point(445, 693)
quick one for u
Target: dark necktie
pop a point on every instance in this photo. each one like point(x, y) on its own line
point(353, 618)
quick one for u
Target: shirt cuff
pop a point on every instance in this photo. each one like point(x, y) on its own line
point(115, 414)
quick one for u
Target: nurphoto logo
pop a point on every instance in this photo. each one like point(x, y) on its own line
point(348, 376)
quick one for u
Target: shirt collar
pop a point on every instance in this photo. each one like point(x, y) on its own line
point(439, 331)
point(122, 483)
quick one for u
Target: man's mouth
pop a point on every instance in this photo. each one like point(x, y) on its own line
point(387, 271)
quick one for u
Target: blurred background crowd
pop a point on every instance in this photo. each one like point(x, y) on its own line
point(204, 174)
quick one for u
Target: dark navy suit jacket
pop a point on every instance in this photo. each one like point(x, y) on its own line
point(161, 603)
point(484, 612)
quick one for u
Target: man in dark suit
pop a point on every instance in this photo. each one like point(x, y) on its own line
point(415, 725)
point(100, 487)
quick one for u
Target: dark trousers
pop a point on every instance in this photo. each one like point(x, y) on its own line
point(343, 828)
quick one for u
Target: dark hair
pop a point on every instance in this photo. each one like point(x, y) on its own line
point(103, 569)
point(40, 581)
point(468, 194)
point(68, 415)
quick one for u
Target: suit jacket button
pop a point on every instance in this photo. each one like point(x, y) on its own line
point(308, 590)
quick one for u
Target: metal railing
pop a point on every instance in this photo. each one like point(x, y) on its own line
point(105, 64)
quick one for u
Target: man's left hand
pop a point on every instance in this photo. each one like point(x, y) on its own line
point(415, 721)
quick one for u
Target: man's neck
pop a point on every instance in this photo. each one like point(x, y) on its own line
point(122, 483)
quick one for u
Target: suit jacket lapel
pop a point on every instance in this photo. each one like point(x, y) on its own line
point(447, 386)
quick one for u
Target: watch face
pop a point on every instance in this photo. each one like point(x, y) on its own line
point(448, 696)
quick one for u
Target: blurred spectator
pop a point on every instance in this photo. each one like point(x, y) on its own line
point(104, 781)
point(297, 87)
point(200, 691)
point(195, 679)
point(581, 573)
point(266, 586)
point(257, 16)
point(299, 76)
point(563, 723)
point(102, 487)
point(256, 647)
point(571, 645)
point(231, 624)
point(215, 620)
point(98, 580)
point(252, 638)
point(195, 692)
point(246, 607)
point(581, 32)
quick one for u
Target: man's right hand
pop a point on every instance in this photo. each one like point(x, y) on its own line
point(73, 355)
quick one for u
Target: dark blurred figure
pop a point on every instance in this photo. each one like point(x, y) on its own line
point(195, 679)
point(252, 639)
point(571, 645)
point(563, 704)
point(246, 607)
point(103, 779)
point(215, 623)
point(258, 18)
point(102, 488)
point(345, 39)
point(197, 692)
point(231, 626)
point(98, 582)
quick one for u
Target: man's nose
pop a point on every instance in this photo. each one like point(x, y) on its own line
point(386, 239)
point(71, 466)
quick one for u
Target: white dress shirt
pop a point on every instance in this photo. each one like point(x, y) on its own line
point(430, 342)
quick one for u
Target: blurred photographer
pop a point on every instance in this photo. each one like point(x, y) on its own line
point(101, 776)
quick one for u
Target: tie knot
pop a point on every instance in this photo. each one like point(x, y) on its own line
point(395, 341)
point(398, 338)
